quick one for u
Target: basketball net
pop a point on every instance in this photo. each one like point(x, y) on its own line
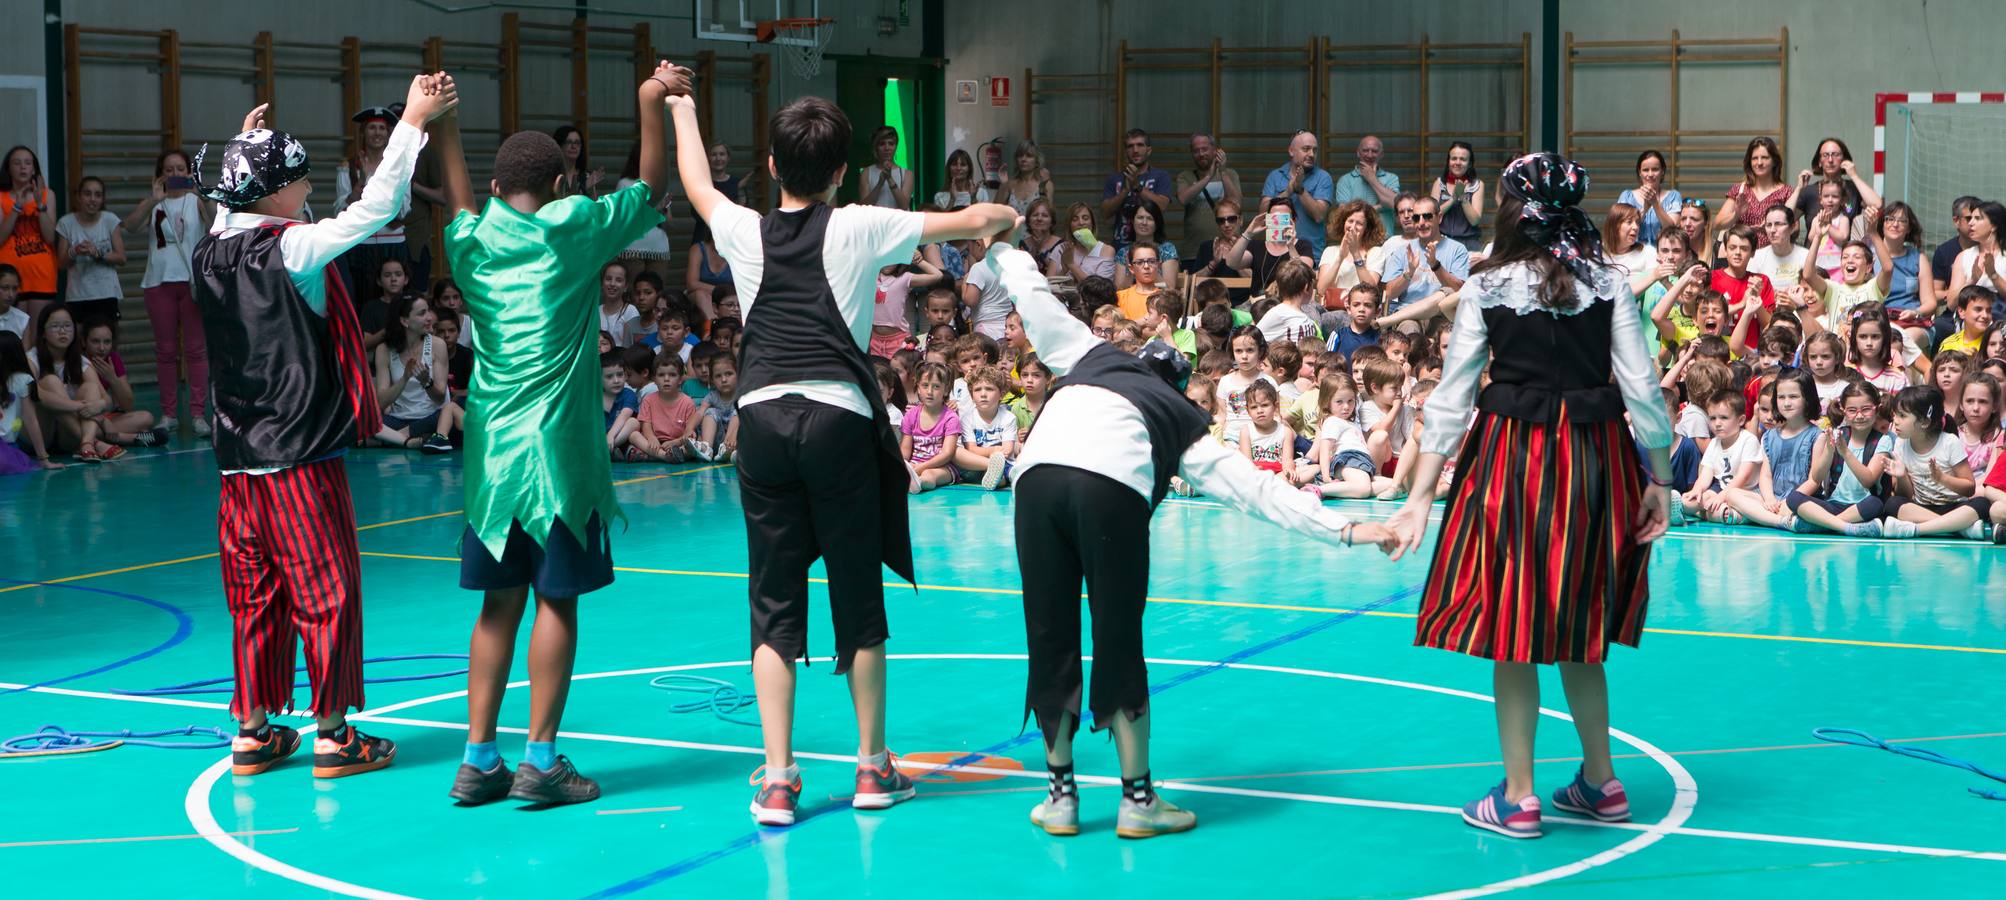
point(813, 34)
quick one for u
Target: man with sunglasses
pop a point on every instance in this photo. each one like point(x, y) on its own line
point(1204, 188)
point(1425, 264)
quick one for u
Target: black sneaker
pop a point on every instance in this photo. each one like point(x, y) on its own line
point(153, 438)
point(351, 753)
point(250, 755)
point(436, 444)
point(473, 787)
point(561, 784)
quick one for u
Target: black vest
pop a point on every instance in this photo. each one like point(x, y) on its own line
point(274, 376)
point(1173, 422)
point(795, 332)
point(1540, 360)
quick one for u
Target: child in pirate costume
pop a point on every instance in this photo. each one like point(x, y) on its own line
point(819, 471)
point(1546, 537)
point(1112, 433)
point(291, 392)
point(539, 487)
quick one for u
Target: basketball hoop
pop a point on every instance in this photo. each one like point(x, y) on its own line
point(806, 40)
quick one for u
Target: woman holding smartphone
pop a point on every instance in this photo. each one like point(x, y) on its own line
point(1276, 230)
point(172, 219)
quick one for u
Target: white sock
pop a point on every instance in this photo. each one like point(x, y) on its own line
point(784, 776)
point(876, 761)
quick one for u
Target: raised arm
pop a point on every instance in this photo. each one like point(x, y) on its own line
point(668, 79)
point(455, 185)
point(309, 248)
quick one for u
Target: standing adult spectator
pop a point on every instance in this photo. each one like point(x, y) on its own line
point(387, 243)
point(1309, 189)
point(1366, 182)
point(173, 219)
point(884, 182)
point(28, 232)
point(1274, 247)
point(88, 245)
point(1760, 188)
point(1833, 161)
point(1660, 204)
point(1459, 194)
point(1136, 182)
point(1203, 188)
point(579, 176)
point(1425, 265)
point(1029, 180)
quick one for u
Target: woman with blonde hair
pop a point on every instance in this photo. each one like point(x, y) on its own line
point(1029, 180)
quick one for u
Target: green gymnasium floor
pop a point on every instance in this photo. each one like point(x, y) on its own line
point(1324, 760)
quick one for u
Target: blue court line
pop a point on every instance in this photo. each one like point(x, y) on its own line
point(753, 838)
point(184, 625)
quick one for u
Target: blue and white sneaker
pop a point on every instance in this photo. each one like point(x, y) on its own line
point(1513, 820)
point(1607, 803)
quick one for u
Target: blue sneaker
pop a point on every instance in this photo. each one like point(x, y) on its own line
point(1607, 803)
point(1513, 820)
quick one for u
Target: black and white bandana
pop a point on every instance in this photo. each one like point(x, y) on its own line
point(256, 164)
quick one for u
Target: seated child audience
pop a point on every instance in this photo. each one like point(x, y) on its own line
point(931, 431)
point(988, 430)
point(665, 414)
point(717, 423)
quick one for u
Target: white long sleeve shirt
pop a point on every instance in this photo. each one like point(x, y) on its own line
point(1095, 429)
point(307, 249)
point(1470, 351)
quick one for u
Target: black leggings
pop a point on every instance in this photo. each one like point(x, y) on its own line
point(1889, 507)
point(1074, 524)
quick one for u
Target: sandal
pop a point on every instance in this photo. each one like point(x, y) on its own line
point(110, 451)
point(87, 454)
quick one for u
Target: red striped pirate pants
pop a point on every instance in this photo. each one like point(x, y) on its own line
point(290, 569)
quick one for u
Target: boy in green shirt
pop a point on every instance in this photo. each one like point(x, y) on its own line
point(539, 486)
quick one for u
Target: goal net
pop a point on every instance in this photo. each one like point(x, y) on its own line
point(1942, 151)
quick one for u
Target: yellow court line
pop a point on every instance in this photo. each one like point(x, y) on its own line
point(1281, 607)
point(120, 571)
point(439, 515)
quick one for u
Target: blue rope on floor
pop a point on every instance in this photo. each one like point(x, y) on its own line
point(717, 696)
point(54, 739)
point(1862, 739)
point(226, 684)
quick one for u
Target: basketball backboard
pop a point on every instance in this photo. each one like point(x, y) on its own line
point(738, 20)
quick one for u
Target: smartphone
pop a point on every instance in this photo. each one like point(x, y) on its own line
point(180, 183)
point(1281, 221)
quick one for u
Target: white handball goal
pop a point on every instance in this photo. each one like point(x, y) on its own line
point(1931, 149)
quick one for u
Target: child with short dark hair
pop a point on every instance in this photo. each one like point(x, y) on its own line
point(1363, 303)
point(1933, 483)
point(1284, 365)
point(637, 362)
point(620, 404)
point(1730, 462)
point(1384, 415)
point(808, 383)
point(665, 414)
point(539, 489)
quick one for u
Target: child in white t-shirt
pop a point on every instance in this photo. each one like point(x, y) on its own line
point(1730, 463)
point(988, 429)
point(1339, 461)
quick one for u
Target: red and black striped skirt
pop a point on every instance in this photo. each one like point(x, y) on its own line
point(1537, 560)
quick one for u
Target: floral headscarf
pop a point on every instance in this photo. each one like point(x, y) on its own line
point(1551, 187)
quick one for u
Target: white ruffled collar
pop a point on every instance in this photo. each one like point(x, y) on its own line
point(1513, 287)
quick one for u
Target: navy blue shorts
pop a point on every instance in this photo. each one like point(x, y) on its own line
point(564, 568)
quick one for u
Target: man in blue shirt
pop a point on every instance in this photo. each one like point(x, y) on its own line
point(1425, 265)
point(1135, 183)
point(1366, 182)
point(1307, 187)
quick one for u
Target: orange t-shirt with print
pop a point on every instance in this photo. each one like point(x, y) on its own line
point(25, 250)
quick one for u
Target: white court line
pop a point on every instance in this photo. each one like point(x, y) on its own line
point(380, 716)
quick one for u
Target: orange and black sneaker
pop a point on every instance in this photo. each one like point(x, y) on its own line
point(350, 752)
point(251, 754)
point(776, 801)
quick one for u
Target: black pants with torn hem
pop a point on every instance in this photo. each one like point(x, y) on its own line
point(1072, 525)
